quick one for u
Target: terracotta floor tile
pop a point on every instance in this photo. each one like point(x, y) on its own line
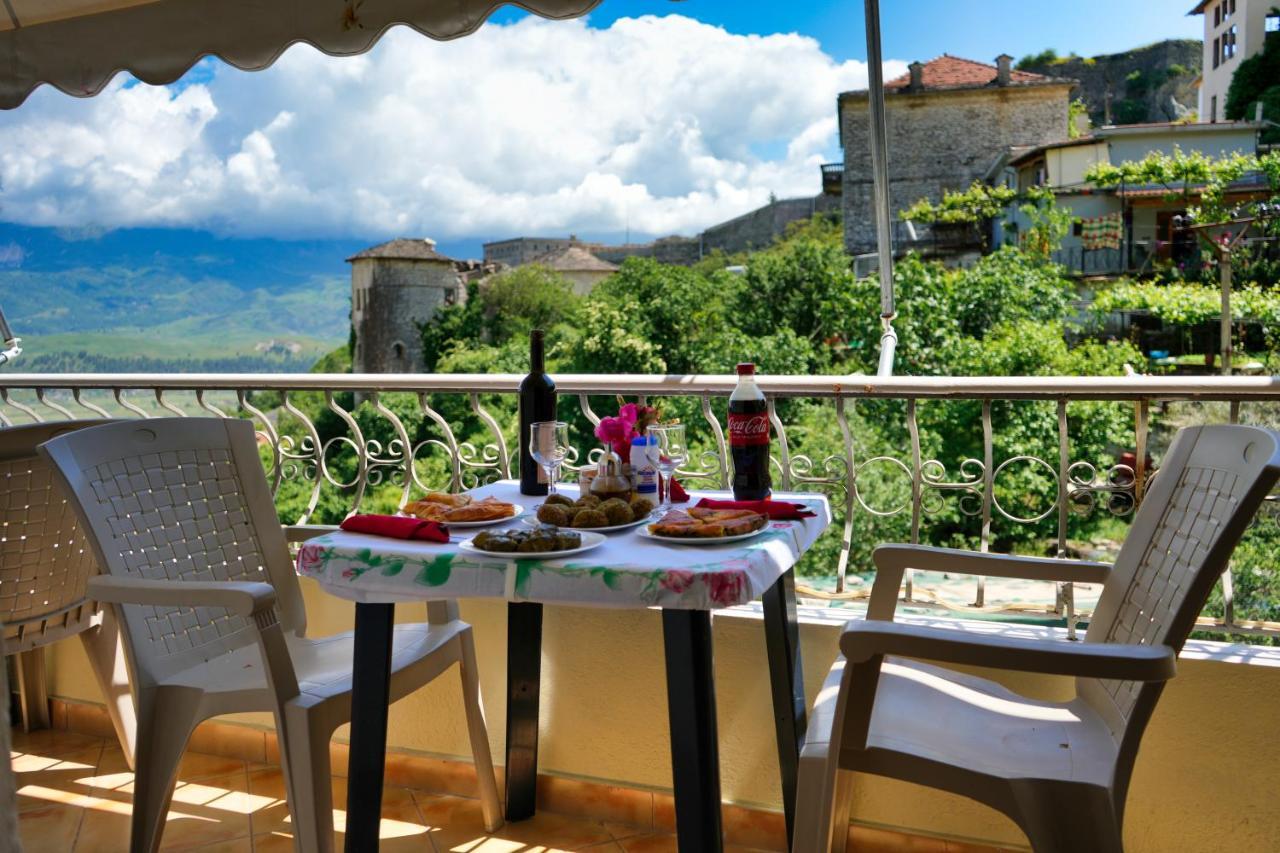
point(649, 844)
point(456, 825)
point(42, 780)
point(50, 742)
point(627, 830)
point(400, 816)
point(214, 810)
point(51, 829)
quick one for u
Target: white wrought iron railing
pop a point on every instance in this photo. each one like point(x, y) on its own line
point(342, 461)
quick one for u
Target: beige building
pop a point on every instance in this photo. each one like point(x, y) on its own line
point(1234, 30)
point(583, 269)
point(947, 121)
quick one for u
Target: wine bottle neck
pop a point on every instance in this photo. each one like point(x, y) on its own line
point(536, 361)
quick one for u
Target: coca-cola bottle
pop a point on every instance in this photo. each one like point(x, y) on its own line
point(749, 437)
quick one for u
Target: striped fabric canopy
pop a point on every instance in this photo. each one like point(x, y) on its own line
point(79, 45)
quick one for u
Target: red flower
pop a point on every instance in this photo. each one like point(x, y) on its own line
point(725, 588)
point(676, 580)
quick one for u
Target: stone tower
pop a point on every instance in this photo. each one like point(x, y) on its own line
point(395, 288)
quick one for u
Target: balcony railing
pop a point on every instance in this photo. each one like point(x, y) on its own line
point(331, 459)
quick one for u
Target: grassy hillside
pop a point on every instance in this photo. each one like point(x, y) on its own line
point(161, 316)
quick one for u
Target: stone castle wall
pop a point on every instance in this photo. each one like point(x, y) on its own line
point(390, 299)
point(938, 141)
point(759, 228)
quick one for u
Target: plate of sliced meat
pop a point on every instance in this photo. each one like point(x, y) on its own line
point(461, 510)
point(702, 526)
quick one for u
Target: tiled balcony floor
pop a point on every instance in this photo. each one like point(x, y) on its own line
point(74, 795)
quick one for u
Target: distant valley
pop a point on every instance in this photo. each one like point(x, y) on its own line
point(172, 300)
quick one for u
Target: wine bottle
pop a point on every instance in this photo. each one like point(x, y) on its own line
point(537, 403)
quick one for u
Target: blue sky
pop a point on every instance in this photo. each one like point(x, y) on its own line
point(923, 29)
point(651, 118)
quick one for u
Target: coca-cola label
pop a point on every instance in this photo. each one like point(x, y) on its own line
point(745, 430)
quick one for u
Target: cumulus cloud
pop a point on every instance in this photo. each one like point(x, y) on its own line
point(659, 124)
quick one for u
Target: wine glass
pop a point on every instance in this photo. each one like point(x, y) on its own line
point(549, 445)
point(672, 453)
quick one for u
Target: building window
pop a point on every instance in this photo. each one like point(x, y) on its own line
point(1213, 108)
point(1229, 43)
point(1217, 54)
point(1232, 7)
point(1217, 15)
point(1273, 22)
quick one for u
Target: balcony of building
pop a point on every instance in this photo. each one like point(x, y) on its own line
point(604, 778)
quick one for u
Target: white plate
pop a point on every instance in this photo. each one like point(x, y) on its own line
point(461, 525)
point(532, 521)
point(701, 540)
point(589, 540)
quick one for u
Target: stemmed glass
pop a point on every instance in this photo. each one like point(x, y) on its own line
point(549, 445)
point(672, 453)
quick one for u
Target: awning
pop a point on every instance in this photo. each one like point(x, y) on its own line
point(79, 45)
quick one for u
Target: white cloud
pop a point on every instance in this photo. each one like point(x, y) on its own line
point(662, 124)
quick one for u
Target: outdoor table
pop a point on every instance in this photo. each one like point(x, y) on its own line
point(686, 582)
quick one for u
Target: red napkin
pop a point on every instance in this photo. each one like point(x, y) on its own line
point(678, 494)
point(776, 510)
point(396, 527)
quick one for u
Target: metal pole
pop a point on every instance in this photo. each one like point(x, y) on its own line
point(880, 184)
point(1224, 263)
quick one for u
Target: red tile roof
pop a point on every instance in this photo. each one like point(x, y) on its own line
point(953, 72)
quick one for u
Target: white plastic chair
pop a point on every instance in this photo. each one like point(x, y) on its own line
point(180, 516)
point(9, 840)
point(1060, 770)
point(45, 566)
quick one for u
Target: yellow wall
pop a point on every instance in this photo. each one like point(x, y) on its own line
point(1067, 165)
point(1200, 784)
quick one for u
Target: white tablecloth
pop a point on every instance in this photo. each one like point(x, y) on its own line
point(628, 570)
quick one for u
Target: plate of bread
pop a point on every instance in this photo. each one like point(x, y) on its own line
point(461, 510)
point(703, 526)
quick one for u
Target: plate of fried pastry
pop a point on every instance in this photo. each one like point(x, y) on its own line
point(461, 510)
point(703, 526)
point(590, 513)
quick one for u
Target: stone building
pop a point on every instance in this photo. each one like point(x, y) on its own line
point(395, 288)
point(581, 268)
point(524, 250)
point(947, 122)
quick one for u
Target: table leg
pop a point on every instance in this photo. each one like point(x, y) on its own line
point(691, 706)
point(370, 695)
point(524, 673)
point(786, 677)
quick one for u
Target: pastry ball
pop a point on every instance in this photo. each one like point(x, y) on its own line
point(590, 518)
point(640, 507)
point(556, 514)
point(617, 512)
point(587, 501)
point(563, 500)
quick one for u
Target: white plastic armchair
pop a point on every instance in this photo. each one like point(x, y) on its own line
point(179, 515)
point(45, 566)
point(1060, 770)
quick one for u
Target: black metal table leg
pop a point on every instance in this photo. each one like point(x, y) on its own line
point(370, 696)
point(691, 706)
point(524, 672)
point(786, 678)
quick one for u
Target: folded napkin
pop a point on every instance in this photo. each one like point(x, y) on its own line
point(678, 494)
point(776, 510)
point(396, 527)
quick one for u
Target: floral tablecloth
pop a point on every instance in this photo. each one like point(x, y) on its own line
point(628, 570)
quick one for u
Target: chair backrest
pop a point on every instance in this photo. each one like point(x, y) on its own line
point(179, 499)
point(1210, 484)
point(44, 559)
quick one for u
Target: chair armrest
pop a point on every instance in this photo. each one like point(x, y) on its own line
point(892, 561)
point(244, 598)
point(862, 641)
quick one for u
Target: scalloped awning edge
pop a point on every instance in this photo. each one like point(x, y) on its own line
point(159, 42)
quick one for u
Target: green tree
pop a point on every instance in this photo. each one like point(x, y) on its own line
point(1257, 79)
